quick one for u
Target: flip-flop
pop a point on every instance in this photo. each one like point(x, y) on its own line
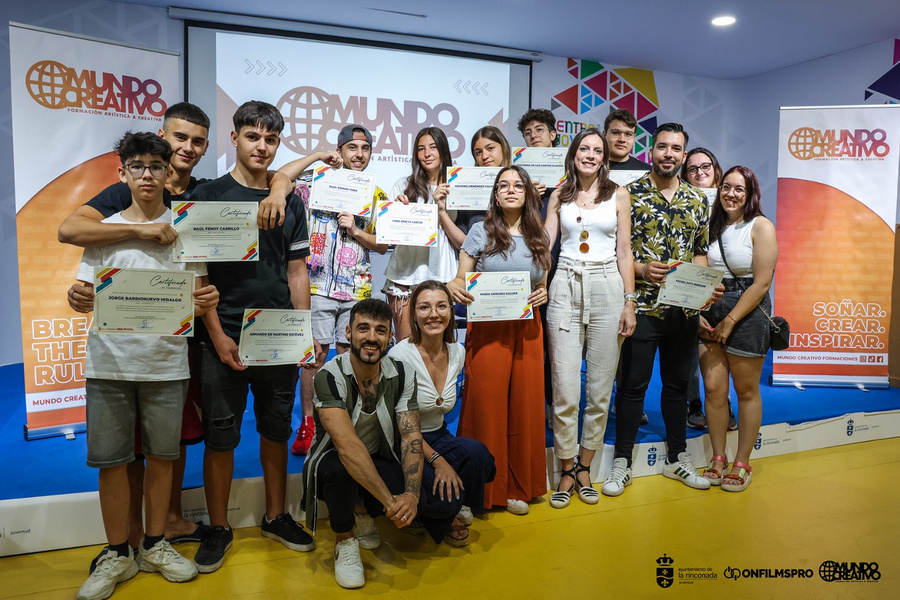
point(196, 536)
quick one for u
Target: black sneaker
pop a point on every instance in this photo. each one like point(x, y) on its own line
point(211, 553)
point(289, 532)
point(732, 422)
point(695, 417)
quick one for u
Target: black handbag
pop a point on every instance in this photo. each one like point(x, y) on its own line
point(779, 328)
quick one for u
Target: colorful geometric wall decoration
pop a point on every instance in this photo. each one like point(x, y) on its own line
point(632, 89)
point(886, 89)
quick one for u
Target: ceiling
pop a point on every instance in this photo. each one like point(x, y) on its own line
point(674, 35)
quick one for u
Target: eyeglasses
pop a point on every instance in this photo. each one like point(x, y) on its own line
point(425, 309)
point(536, 131)
point(705, 167)
point(737, 190)
point(504, 186)
point(619, 133)
point(157, 170)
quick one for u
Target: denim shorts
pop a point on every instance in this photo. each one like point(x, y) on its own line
point(750, 336)
point(330, 319)
point(224, 393)
point(112, 412)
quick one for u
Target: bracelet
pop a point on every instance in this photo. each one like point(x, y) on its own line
point(434, 457)
point(410, 494)
point(733, 320)
point(644, 271)
point(631, 297)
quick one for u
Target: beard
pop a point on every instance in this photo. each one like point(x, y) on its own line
point(356, 349)
point(666, 171)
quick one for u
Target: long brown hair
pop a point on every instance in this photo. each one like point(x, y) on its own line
point(415, 334)
point(417, 182)
point(499, 240)
point(568, 191)
point(490, 132)
point(752, 206)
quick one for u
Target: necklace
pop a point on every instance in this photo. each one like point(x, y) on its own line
point(584, 247)
point(371, 380)
point(432, 359)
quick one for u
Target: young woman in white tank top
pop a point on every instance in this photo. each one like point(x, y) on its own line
point(735, 332)
point(591, 305)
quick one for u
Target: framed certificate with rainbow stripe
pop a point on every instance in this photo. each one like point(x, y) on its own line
point(215, 231)
point(143, 301)
point(276, 337)
point(412, 224)
point(499, 296)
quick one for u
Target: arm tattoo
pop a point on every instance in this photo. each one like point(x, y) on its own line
point(408, 422)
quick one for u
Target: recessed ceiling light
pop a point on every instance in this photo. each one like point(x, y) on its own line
point(723, 21)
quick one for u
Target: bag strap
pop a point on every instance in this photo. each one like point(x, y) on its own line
point(759, 306)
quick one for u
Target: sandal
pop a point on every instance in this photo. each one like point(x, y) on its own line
point(715, 475)
point(586, 493)
point(559, 498)
point(455, 541)
point(742, 478)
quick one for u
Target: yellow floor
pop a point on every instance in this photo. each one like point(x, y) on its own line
point(837, 504)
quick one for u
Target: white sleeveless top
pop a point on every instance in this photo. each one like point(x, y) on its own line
point(738, 250)
point(600, 223)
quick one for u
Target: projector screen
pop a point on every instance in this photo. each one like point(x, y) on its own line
point(320, 86)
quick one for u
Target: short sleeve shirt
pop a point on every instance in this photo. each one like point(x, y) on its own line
point(517, 257)
point(662, 230)
point(258, 284)
point(117, 197)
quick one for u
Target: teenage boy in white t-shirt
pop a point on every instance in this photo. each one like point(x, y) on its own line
point(137, 377)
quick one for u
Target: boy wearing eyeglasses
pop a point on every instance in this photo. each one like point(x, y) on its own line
point(619, 130)
point(133, 379)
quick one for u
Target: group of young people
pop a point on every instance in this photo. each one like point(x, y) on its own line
point(373, 423)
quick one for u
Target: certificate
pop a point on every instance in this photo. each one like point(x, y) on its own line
point(689, 285)
point(544, 165)
point(499, 296)
point(470, 187)
point(143, 301)
point(342, 190)
point(410, 224)
point(276, 337)
point(623, 178)
point(216, 231)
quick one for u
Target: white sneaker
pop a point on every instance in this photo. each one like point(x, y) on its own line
point(162, 558)
point(348, 567)
point(684, 471)
point(517, 507)
point(619, 478)
point(366, 532)
point(111, 569)
point(465, 515)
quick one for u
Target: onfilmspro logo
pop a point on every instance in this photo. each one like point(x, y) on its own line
point(849, 571)
point(311, 113)
point(56, 86)
point(736, 573)
point(665, 572)
point(806, 143)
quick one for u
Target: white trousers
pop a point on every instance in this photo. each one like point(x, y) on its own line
point(586, 302)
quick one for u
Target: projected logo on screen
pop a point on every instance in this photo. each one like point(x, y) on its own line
point(54, 85)
point(313, 118)
point(806, 143)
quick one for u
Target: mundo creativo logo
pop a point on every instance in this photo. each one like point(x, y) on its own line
point(56, 86)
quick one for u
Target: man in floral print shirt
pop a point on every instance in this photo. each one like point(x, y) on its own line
point(669, 220)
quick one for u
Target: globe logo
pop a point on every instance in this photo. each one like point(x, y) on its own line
point(47, 82)
point(308, 118)
point(805, 143)
point(829, 571)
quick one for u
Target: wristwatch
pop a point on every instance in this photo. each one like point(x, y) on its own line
point(631, 296)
